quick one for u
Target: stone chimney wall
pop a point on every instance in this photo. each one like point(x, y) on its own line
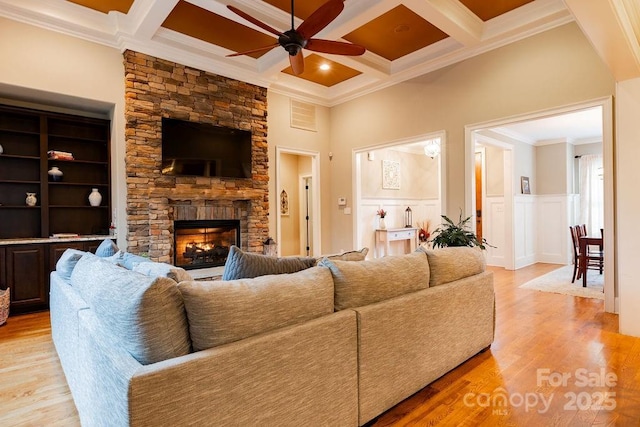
point(156, 88)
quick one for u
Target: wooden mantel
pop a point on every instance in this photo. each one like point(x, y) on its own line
point(191, 193)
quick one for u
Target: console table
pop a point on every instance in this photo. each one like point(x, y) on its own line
point(384, 237)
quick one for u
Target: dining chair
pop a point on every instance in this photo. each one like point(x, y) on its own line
point(594, 258)
point(594, 250)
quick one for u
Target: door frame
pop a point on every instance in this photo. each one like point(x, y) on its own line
point(606, 103)
point(302, 180)
point(483, 189)
point(315, 189)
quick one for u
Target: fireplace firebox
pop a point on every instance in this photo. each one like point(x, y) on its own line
point(204, 243)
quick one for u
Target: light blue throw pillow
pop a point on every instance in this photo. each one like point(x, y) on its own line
point(106, 248)
point(129, 261)
point(67, 262)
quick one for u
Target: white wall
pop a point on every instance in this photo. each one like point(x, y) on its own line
point(494, 171)
point(628, 204)
point(47, 68)
point(552, 168)
point(418, 175)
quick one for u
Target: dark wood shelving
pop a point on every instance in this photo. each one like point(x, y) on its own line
point(87, 162)
point(17, 181)
point(16, 156)
point(63, 207)
point(77, 207)
point(83, 184)
point(24, 132)
point(76, 138)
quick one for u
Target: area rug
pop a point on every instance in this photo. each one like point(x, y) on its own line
point(559, 282)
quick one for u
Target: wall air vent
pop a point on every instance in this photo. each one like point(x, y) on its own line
point(303, 115)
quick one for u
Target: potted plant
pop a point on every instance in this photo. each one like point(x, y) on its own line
point(457, 234)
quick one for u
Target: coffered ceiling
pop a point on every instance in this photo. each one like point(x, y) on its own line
point(403, 38)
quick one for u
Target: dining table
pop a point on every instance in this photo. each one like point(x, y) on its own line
point(585, 242)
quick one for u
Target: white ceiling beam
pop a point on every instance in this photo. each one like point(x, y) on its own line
point(146, 16)
point(602, 22)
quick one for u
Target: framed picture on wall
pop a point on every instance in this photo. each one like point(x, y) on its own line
point(524, 183)
point(284, 203)
point(390, 174)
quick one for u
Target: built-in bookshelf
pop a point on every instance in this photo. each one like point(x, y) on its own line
point(62, 206)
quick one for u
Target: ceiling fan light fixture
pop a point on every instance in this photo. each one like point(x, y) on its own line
point(297, 39)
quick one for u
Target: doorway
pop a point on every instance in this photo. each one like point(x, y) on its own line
point(298, 212)
point(524, 241)
point(418, 184)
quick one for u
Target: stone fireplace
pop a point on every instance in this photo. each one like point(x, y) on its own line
point(156, 88)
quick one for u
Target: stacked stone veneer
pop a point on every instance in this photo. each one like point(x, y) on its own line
point(156, 88)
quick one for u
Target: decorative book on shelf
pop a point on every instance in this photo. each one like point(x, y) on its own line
point(59, 155)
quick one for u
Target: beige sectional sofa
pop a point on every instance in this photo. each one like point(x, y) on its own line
point(336, 344)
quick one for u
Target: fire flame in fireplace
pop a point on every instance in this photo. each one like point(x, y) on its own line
point(203, 246)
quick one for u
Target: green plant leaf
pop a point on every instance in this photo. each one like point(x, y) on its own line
point(457, 234)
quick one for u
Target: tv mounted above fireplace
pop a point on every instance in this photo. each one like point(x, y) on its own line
point(203, 149)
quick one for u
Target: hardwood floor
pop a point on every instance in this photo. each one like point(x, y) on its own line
point(539, 337)
point(33, 389)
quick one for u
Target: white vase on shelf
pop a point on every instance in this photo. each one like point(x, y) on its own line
point(31, 199)
point(95, 198)
point(382, 225)
point(55, 174)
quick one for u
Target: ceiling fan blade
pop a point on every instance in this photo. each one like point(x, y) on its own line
point(254, 20)
point(320, 18)
point(297, 63)
point(334, 47)
point(259, 49)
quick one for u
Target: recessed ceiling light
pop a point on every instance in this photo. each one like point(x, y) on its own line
point(325, 67)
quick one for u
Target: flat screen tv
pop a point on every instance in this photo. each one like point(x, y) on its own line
point(203, 149)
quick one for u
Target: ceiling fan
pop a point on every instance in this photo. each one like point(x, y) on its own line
point(296, 39)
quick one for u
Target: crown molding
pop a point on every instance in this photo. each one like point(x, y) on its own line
point(141, 30)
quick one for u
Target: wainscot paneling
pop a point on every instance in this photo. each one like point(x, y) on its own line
point(554, 213)
point(524, 228)
point(494, 233)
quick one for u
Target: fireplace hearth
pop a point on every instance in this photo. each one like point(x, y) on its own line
point(204, 243)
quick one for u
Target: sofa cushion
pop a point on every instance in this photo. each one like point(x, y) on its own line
point(221, 312)
point(349, 256)
point(453, 263)
point(161, 269)
point(67, 262)
point(145, 314)
point(106, 248)
point(245, 265)
point(366, 282)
